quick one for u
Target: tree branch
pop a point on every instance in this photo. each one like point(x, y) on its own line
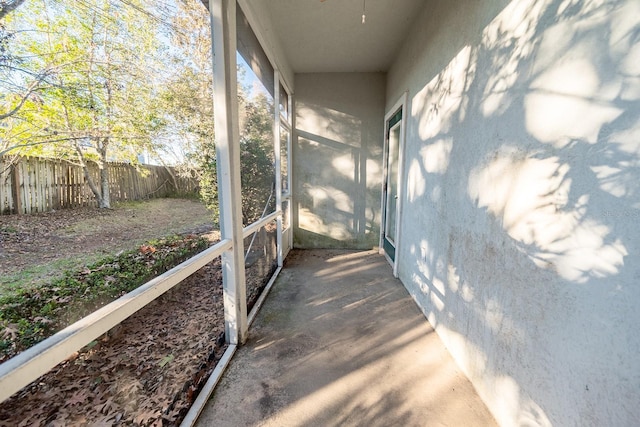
point(32, 87)
point(49, 141)
point(8, 6)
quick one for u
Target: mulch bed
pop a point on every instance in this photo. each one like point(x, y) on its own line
point(145, 372)
point(148, 370)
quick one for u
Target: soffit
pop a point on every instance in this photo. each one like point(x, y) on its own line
point(328, 36)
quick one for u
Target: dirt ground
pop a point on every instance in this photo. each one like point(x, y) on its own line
point(42, 244)
point(146, 371)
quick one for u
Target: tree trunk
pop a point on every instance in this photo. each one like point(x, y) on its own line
point(104, 174)
point(104, 185)
point(15, 188)
point(6, 7)
point(174, 181)
point(92, 185)
point(87, 177)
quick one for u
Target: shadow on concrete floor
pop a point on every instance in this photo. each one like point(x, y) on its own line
point(339, 341)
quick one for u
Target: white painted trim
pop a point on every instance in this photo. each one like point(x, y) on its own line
point(287, 88)
point(278, 163)
point(400, 104)
point(401, 166)
point(387, 258)
point(290, 161)
point(385, 172)
point(198, 405)
point(391, 129)
point(288, 120)
point(287, 250)
point(29, 365)
point(263, 296)
point(250, 229)
point(203, 397)
point(227, 142)
point(286, 124)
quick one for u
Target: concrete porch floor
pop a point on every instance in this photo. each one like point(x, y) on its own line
point(339, 341)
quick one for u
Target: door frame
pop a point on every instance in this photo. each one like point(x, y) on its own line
point(401, 104)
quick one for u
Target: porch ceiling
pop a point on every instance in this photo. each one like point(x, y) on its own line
point(328, 36)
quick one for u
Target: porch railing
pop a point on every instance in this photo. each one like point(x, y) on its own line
point(34, 362)
point(29, 365)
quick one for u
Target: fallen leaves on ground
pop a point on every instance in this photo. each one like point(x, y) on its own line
point(148, 370)
point(147, 374)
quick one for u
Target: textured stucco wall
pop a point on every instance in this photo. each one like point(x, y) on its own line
point(520, 236)
point(337, 158)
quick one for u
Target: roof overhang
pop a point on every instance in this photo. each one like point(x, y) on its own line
point(329, 36)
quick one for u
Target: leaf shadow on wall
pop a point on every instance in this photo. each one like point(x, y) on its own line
point(525, 186)
point(335, 205)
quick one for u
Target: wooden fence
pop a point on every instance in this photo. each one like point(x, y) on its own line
point(34, 184)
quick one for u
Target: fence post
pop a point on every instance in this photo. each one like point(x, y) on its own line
point(15, 188)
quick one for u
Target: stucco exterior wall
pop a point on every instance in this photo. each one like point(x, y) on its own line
point(520, 236)
point(337, 159)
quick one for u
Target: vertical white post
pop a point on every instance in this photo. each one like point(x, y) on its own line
point(290, 160)
point(225, 103)
point(276, 148)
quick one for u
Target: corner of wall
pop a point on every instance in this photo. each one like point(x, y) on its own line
point(338, 154)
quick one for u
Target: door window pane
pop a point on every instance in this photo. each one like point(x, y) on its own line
point(392, 183)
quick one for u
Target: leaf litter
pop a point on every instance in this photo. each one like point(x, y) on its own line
point(148, 370)
point(128, 377)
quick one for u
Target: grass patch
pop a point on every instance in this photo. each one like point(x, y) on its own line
point(132, 204)
point(39, 275)
point(33, 313)
point(8, 229)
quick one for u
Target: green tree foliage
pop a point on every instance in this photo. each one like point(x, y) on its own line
point(20, 79)
point(90, 81)
point(257, 158)
point(97, 100)
point(188, 100)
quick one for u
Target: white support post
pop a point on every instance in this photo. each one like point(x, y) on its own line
point(276, 149)
point(225, 103)
point(290, 160)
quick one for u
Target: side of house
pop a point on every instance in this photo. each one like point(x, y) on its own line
point(521, 193)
